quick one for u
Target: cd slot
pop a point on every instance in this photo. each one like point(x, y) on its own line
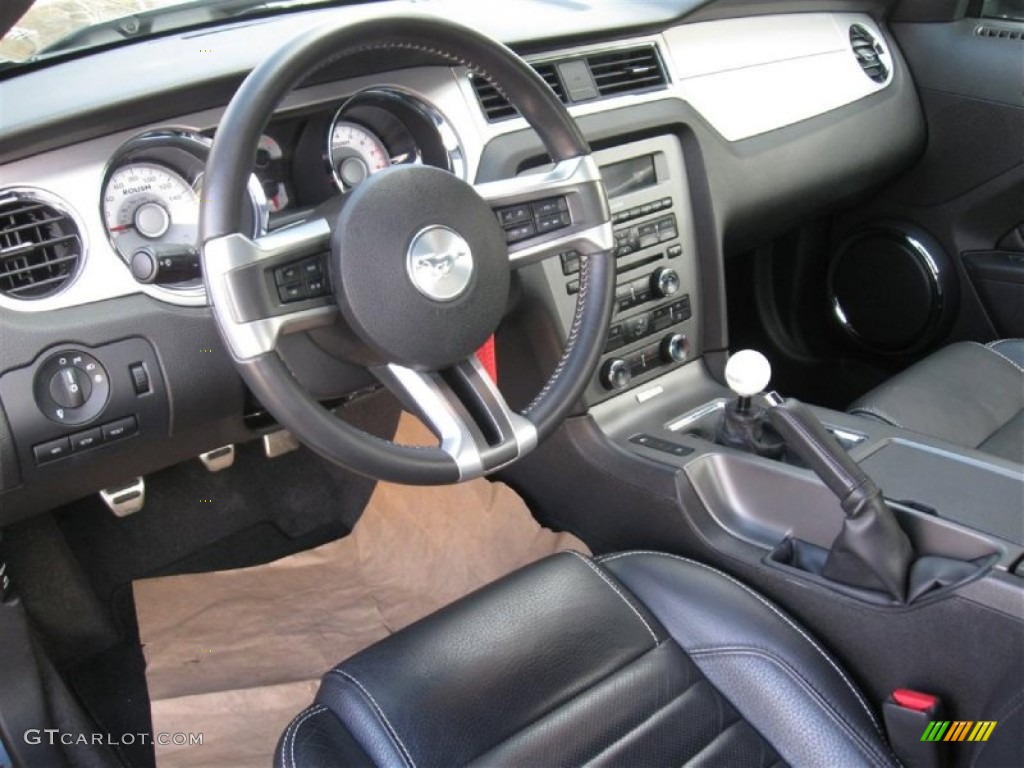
point(641, 263)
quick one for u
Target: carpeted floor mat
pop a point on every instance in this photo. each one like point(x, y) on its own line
point(234, 655)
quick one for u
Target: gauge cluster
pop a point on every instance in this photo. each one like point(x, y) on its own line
point(150, 207)
point(309, 156)
point(152, 188)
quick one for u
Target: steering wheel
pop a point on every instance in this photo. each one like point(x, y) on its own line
point(418, 264)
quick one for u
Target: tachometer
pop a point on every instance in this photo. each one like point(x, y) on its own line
point(355, 153)
point(145, 203)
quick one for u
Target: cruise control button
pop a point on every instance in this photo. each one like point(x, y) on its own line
point(285, 275)
point(572, 287)
point(292, 292)
point(51, 451)
point(121, 428)
point(83, 441)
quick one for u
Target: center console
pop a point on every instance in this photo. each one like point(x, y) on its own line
point(655, 327)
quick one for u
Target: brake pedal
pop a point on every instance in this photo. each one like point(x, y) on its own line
point(127, 499)
point(279, 443)
point(218, 458)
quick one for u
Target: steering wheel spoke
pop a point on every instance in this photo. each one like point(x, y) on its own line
point(543, 214)
point(464, 408)
point(271, 286)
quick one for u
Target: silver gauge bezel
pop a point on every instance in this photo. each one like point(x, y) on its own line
point(445, 131)
point(198, 145)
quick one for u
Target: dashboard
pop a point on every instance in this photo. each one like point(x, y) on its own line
point(711, 132)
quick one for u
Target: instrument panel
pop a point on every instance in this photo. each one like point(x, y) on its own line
point(153, 185)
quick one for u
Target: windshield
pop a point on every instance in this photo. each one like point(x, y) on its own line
point(57, 26)
point(48, 21)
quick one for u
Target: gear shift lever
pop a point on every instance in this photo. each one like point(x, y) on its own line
point(743, 425)
point(747, 373)
point(871, 550)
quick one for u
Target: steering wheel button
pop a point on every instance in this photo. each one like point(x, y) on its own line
point(285, 275)
point(514, 214)
point(550, 206)
point(292, 292)
point(520, 232)
point(552, 222)
point(312, 268)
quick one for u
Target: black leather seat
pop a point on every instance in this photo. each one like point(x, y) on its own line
point(968, 394)
point(633, 659)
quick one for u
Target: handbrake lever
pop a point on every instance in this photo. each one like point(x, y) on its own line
point(871, 551)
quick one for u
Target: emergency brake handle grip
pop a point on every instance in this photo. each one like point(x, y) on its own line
point(808, 438)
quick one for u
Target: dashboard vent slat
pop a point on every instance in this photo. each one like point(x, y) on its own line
point(40, 246)
point(868, 52)
point(629, 70)
point(998, 33)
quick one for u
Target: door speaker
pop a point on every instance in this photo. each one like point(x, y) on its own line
point(893, 289)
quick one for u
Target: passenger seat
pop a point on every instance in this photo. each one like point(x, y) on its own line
point(967, 393)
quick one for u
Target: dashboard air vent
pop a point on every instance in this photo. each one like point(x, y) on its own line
point(496, 106)
point(627, 71)
point(598, 75)
point(868, 52)
point(1000, 33)
point(40, 245)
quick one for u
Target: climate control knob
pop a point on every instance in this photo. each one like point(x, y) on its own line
point(665, 281)
point(615, 374)
point(675, 348)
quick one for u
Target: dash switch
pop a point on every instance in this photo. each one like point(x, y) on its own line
point(140, 378)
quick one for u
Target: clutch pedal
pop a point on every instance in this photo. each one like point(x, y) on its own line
point(127, 499)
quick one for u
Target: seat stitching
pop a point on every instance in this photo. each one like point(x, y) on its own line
point(288, 758)
point(642, 723)
point(381, 717)
point(991, 348)
point(774, 610)
point(718, 735)
point(561, 705)
point(823, 702)
point(1004, 715)
point(618, 592)
point(870, 409)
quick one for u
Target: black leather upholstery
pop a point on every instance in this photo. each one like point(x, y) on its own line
point(968, 394)
point(636, 659)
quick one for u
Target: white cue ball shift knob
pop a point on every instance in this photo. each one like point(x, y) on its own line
point(748, 372)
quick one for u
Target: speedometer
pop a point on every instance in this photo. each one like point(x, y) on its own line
point(355, 153)
point(145, 203)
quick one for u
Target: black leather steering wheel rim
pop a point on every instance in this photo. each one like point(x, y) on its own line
point(228, 170)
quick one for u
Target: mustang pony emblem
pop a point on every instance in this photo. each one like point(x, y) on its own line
point(439, 263)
